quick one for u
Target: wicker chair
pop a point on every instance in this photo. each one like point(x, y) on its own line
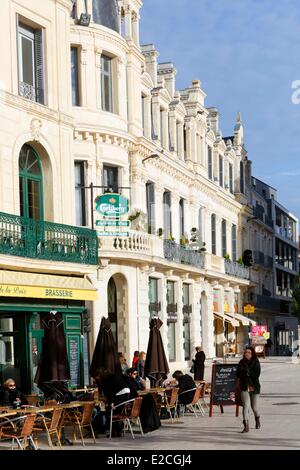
point(170, 403)
point(80, 419)
point(127, 415)
point(23, 434)
point(50, 426)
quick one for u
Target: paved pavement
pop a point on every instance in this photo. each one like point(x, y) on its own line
point(280, 417)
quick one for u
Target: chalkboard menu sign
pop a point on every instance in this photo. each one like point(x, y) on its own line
point(224, 386)
point(74, 360)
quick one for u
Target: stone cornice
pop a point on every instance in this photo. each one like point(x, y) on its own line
point(36, 109)
point(102, 136)
point(102, 34)
point(179, 171)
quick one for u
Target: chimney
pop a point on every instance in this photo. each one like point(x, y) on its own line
point(168, 71)
point(151, 55)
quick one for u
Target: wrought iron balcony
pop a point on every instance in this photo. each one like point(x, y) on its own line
point(237, 270)
point(182, 255)
point(21, 236)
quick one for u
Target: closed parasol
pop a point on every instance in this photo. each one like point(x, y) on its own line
point(105, 354)
point(156, 365)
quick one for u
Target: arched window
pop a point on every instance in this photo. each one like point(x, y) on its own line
point(31, 184)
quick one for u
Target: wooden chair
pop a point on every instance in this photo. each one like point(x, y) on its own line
point(80, 419)
point(33, 400)
point(50, 426)
point(190, 406)
point(127, 415)
point(204, 392)
point(23, 435)
point(170, 402)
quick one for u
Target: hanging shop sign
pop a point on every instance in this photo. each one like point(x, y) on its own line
point(112, 234)
point(249, 308)
point(112, 205)
point(112, 223)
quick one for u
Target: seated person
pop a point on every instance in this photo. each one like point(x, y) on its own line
point(185, 382)
point(12, 396)
point(134, 381)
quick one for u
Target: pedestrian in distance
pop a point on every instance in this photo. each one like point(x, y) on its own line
point(248, 373)
point(140, 365)
point(199, 364)
point(135, 359)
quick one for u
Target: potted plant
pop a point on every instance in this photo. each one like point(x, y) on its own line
point(183, 241)
point(240, 261)
point(171, 238)
point(227, 257)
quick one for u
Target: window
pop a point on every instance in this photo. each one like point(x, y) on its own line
point(80, 193)
point(221, 182)
point(213, 234)
point(224, 238)
point(177, 136)
point(143, 112)
point(184, 142)
point(242, 188)
point(233, 242)
point(231, 178)
point(150, 196)
point(31, 63)
point(167, 214)
point(75, 76)
point(171, 324)
point(106, 84)
point(186, 322)
point(181, 217)
point(154, 306)
point(74, 10)
point(209, 163)
point(31, 184)
point(110, 179)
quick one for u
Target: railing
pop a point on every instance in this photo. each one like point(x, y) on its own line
point(237, 270)
point(21, 236)
point(266, 302)
point(30, 92)
point(135, 242)
point(260, 214)
point(263, 260)
point(179, 254)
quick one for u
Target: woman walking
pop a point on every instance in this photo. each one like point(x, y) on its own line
point(248, 373)
point(199, 364)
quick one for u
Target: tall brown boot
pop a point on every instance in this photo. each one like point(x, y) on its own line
point(257, 422)
point(246, 426)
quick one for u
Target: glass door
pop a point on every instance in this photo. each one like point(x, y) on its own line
point(13, 350)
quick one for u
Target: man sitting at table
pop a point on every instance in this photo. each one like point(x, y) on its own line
point(134, 382)
point(11, 395)
point(185, 382)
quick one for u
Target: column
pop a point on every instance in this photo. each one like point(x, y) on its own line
point(156, 117)
point(135, 28)
point(159, 213)
point(175, 217)
point(98, 103)
point(143, 308)
point(195, 316)
point(180, 150)
point(179, 324)
point(172, 131)
point(128, 24)
point(207, 313)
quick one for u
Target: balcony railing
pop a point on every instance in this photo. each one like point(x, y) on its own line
point(263, 260)
point(260, 214)
point(21, 236)
point(182, 255)
point(266, 302)
point(237, 270)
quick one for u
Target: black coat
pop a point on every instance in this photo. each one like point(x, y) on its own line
point(248, 372)
point(199, 365)
point(185, 382)
point(111, 384)
point(10, 396)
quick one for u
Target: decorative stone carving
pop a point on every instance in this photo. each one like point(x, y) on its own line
point(35, 127)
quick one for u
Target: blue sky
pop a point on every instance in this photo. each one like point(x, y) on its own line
point(246, 54)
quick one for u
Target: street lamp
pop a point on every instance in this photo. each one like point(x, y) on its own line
point(153, 155)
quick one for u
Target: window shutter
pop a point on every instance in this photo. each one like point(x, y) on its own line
point(39, 61)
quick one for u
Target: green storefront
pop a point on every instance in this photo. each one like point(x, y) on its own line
point(21, 327)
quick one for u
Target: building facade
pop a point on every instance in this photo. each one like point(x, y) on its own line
point(86, 110)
